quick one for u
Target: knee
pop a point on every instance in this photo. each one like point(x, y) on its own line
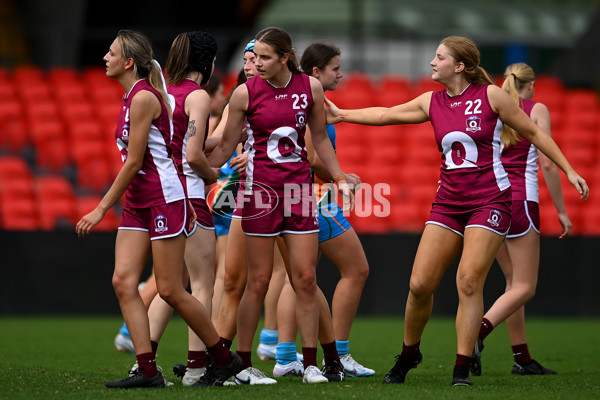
point(306, 281)
point(124, 286)
point(528, 292)
point(420, 289)
point(360, 273)
point(234, 283)
point(259, 285)
point(468, 285)
point(170, 294)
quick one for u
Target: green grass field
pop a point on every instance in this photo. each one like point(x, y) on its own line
point(71, 358)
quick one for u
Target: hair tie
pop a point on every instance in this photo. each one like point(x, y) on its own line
point(516, 77)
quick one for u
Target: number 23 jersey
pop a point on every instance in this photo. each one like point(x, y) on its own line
point(276, 126)
point(467, 132)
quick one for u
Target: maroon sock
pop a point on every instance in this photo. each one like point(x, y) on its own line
point(521, 354)
point(486, 328)
point(465, 361)
point(147, 364)
point(196, 359)
point(246, 358)
point(220, 354)
point(310, 356)
point(154, 347)
point(227, 342)
point(412, 350)
point(330, 351)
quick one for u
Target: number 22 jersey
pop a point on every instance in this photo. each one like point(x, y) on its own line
point(467, 132)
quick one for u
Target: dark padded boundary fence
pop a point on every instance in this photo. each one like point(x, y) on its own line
point(57, 273)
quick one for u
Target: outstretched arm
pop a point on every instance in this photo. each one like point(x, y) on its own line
point(322, 144)
point(415, 111)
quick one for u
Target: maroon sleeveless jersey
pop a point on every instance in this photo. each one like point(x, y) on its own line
point(467, 132)
point(521, 163)
point(193, 184)
point(157, 182)
point(276, 125)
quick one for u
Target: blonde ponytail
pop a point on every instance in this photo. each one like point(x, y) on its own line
point(516, 76)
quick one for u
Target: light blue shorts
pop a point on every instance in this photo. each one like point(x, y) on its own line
point(332, 222)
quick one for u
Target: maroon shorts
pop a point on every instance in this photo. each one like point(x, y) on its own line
point(164, 221)
point(525, 215)
point(204, 217)
point(494, 216)
point(269, 214)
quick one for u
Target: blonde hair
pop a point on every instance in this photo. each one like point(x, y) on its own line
point(465, 51)
point(516, 77)
point(136, 45)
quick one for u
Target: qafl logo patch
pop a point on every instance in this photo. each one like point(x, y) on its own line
point(473, 123)
point(160, 224)
point(300, 119)
point(495, 218)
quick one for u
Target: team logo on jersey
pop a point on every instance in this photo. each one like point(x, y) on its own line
point(160, 224)
point(455, 104)
point(473, 123)
point(495, 218)
point(300, 119)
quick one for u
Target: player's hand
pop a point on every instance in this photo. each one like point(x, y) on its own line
point(239, 163)
point(347, 196)
point(579, 184)
point(88, 221)
point(566, 224)
point(354, 181)
point(332, 112)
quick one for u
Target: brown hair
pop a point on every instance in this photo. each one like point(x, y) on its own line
point(191, 51)
point(136, 45)
point(177, 68)
point(281, 42)
point(516, 77)
point(465, 51)
point(318, 55)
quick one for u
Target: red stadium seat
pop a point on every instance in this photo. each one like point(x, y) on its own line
point(43, 110)
point(580, 100)
point(17, 206)
point(94, 174)
point(14, 168)
point(59, 76)
point(18, 215)
point(13, 132)
point(70, 93)
point(56, 202)
point(7, 90)
point(394, 90)
point(77, 113)
point(28, 73)
point(34, 91)
point(85, 129)
point(52, 149)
